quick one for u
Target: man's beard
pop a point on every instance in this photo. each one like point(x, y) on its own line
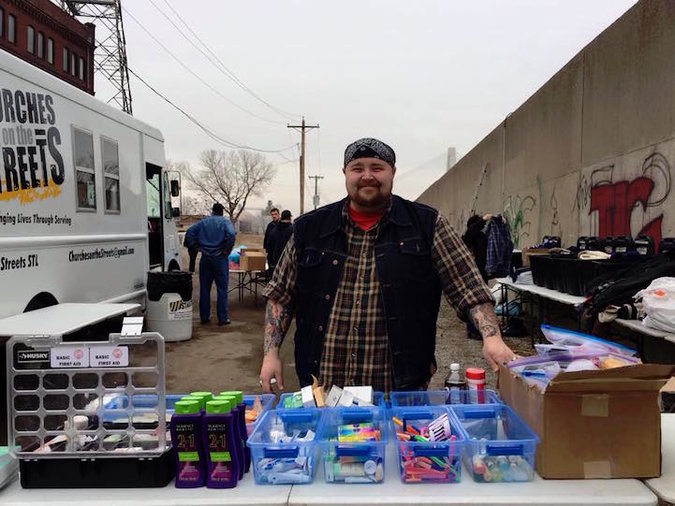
point(375, 200)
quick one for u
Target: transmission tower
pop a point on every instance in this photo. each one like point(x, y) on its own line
point(110, 54)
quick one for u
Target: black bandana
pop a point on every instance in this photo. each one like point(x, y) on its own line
point(370, 148)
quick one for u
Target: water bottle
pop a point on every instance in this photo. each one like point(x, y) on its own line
point(455, 384)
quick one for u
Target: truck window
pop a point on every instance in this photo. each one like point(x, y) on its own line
point(85, 175)
point(152, 191)
point(111, 175)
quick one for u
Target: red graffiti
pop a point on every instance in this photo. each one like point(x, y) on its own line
point(615, 202)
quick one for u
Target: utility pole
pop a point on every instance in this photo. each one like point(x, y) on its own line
point(316, 189)
point(302, 129)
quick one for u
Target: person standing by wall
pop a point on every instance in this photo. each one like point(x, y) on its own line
point(214, 236)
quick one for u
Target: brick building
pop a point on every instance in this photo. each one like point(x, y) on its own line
point(43, 34)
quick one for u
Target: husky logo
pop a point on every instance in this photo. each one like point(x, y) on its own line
point(177, 305)
point(24, 357)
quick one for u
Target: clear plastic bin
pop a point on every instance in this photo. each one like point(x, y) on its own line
point(265, 399)
point(378, 401)
point(441, 397)
point(281, 452)
point(428, 461)
point(500, 446)
point(353, 462)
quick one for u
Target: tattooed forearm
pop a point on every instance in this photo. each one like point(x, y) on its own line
point(277, 320)
point(485, 320)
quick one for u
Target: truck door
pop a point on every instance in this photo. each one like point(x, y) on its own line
point(155, 206)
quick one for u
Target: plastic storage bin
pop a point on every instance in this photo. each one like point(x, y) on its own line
point(440, 398)
point(378, 401)
point(500, 446)
point(265, 399)
point(284, 447)
point(97, 402)
point(438, 461)
point(353, 462)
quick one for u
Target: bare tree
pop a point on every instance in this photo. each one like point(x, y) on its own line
point(230, 177)
point(195, 206)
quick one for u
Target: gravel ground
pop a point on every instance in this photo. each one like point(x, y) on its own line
point(452, 345)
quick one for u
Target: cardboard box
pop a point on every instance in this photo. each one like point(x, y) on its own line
point(528, 252)
point(252, 259)
point(594, 424)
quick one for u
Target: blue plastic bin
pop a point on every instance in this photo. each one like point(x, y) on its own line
point(378, 401)
point(500, 446)
point(279, 455)
point(353, 462)
point(427, 461)
point(440, 397)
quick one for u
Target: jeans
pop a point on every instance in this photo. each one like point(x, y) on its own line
point(213, 268)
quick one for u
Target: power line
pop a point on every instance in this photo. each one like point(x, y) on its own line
point(228, 72)
point(207, 131)
point(192, 43)
point(179, 61)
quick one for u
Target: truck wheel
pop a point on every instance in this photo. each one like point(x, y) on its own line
point(41, 300)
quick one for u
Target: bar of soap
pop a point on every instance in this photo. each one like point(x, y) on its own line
point(346, 399)
point(333, 396)
point(307, 397)
point(363, 394)
point(318, 397)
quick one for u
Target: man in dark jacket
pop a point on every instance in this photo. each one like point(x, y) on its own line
point(278, 239)
point(364, 278)
point(274, 214)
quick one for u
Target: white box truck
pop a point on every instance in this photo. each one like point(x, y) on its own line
point(85, 210)
point(85, 199)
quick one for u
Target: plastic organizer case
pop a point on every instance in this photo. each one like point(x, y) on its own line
point(378, 401)
point(88, 400)
point(499, 445)
point(438, 460)
point(353, 444)
point(443, 397)
point(284, 447)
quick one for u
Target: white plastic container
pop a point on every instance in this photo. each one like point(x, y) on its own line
point(170, 316)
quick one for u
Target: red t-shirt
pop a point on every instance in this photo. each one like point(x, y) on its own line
point(362, 220)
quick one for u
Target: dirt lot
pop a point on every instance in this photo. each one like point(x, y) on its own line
point(229, 357)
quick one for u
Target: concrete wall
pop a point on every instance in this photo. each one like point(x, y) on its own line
point(590, 153)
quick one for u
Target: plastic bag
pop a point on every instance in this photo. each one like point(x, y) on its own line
point(564, 339)
point(658, 301)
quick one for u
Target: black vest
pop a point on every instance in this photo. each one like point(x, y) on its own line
point(410, 291)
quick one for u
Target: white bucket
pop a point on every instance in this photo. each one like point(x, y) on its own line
point(170, 316)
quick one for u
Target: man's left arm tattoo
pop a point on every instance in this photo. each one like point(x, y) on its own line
point(485, 319)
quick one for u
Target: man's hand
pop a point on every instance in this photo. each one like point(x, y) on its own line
point(496, 352)
point(272, 368)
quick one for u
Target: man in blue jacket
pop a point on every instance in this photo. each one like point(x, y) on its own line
point(214, 236)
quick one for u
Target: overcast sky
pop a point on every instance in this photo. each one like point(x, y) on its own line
point(421, 75)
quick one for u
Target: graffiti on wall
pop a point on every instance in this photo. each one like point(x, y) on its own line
point(516, 213)
point(617, 204)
